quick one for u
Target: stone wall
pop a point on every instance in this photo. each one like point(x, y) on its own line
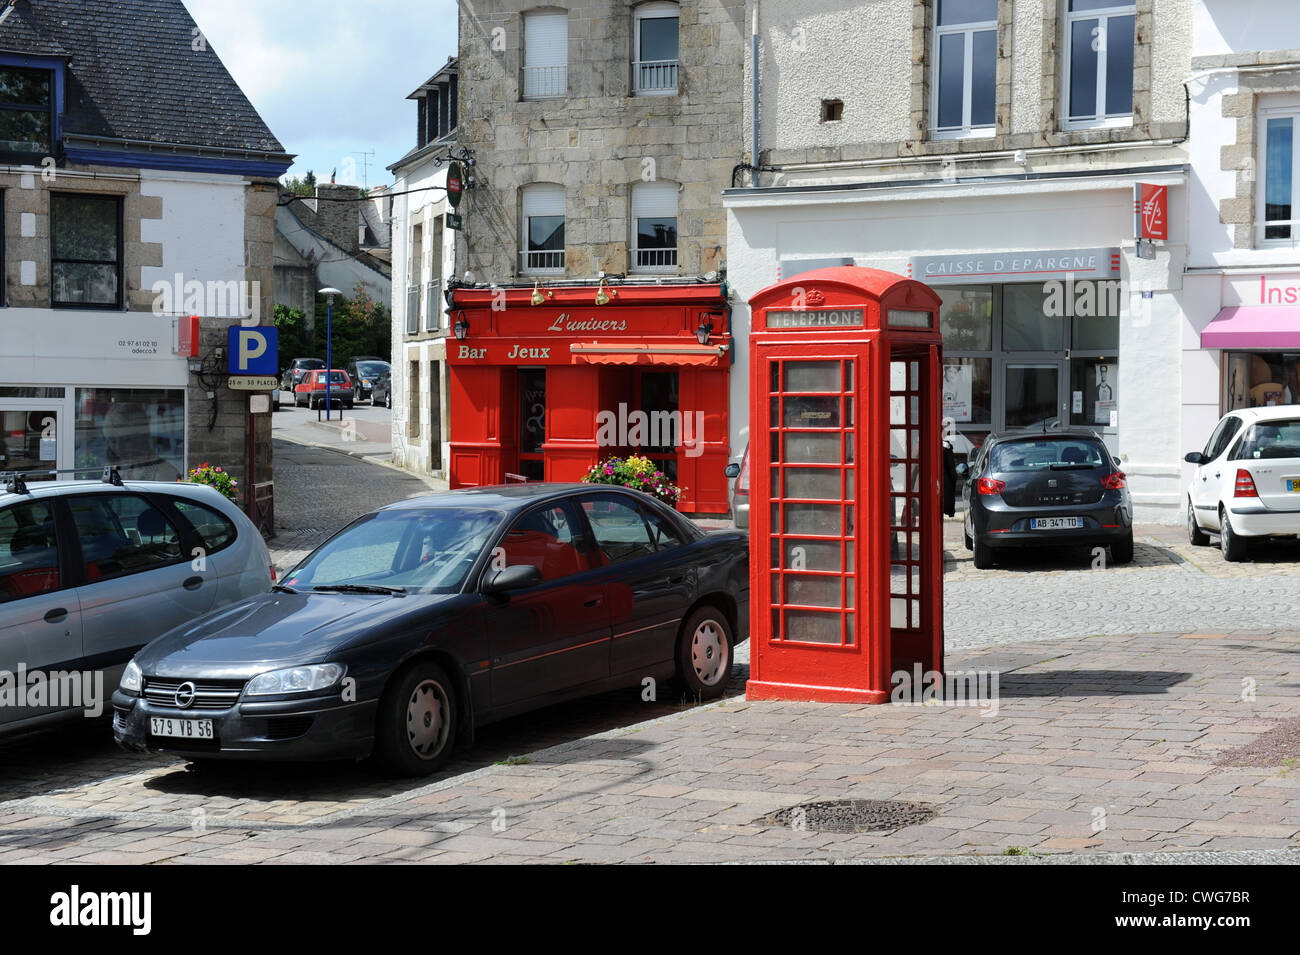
point(340, 222)
point(599, 140)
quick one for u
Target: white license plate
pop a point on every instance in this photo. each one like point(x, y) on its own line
point(1054, 523)
point(181, 729)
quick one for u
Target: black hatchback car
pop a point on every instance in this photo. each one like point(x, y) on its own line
point(1056, 488)
point(423, 620)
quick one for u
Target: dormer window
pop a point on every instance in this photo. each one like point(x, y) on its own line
point(26, 112)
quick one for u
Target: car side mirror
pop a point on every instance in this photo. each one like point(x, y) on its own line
point(515, 577)
point(962, 469)
point(1194, 457)
point(733, 470)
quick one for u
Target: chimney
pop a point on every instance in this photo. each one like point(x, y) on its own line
point(338, 221)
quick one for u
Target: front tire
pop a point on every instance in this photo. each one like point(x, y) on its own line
point(1195, 536)
point(704, 653)
point(1234, 548)
point(415, 729)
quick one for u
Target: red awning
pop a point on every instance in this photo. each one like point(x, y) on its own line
point(1258, 326)
point(594, 353)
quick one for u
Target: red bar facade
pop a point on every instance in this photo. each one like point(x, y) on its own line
point(544, 391)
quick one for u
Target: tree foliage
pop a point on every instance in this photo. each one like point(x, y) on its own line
point(361, 326)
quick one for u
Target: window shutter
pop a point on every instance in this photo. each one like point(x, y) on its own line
point(543, 199)
point(546, 40)
point(654, 199)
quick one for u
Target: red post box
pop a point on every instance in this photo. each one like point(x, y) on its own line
point(846, 480)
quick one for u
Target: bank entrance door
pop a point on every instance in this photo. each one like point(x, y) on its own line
point(1034, 393)
point(532, 423)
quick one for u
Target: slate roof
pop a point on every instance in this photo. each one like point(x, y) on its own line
point(133, 73)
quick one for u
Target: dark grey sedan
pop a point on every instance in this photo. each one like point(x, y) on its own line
point(430, 617)
point(1058, 488)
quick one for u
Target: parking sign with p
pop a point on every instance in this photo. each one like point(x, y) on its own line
point(253, 351)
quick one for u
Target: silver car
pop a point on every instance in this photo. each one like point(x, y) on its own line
point(92, 571)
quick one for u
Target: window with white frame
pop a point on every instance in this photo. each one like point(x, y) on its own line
point(654, 227)
point(655, 49)
point(546, 54)
point(542, 221)
point(1099, 62)
point(1280, 172)
point(965, 66)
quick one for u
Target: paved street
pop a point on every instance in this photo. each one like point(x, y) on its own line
point(1123, 694)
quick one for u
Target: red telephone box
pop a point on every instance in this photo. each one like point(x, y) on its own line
point(845, 486)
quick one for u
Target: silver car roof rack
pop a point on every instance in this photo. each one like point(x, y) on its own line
point(15, 482)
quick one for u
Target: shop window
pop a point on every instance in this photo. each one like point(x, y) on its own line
point(1094, 391)
point(26, 113)
point(139, 431)
point(546, 55)
point(966, 318)
point(968, 390)
point(965, 60)
point(1099, 62)
point(1030, 320)
point(85, 251)
point(654, 224)
point(655, 51)
point(1260, 379)
point(1281, 172)
point(542, 239)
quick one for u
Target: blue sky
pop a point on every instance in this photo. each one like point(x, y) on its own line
point(331, 77)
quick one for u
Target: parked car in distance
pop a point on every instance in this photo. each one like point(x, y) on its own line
point(362, 370)
point(91, 571)
point(311, 391)
point(432, 616)
point(740, 490)
point(292, 376)
point(1247, 481)
point(381, 393)
point(1053, 488)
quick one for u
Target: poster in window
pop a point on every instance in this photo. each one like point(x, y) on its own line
point(957, 392)
point(1105, 405)
point(139, 431)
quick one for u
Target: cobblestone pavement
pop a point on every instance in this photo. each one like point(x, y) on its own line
point(1097, 745)
point(1103, 741)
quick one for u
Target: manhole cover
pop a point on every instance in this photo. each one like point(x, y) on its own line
point(852, 815)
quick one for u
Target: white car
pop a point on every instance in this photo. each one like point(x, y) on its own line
point(91, 571)
point(1247, 480)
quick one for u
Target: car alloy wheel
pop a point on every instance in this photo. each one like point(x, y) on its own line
point(704, 653)
point(1195, 536)
point(427, 720)
point(415, 728)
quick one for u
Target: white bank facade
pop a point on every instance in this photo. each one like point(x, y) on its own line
point(1049, 315)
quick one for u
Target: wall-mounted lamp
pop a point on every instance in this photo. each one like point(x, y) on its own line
point(604, 294)
point(461, 328)
point(702, 333)
point(540, 297)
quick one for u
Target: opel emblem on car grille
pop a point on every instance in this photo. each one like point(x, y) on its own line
point(185, 695)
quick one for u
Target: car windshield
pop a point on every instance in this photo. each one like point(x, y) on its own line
point(1270, 439)
point(1045, 453)
point(425, 550)
point(371, 367)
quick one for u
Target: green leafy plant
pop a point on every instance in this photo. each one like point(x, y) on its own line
point(216, 477)
point(636, 472)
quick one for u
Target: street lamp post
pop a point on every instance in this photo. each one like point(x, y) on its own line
point(329, 294)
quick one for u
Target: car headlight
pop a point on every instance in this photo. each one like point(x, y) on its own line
point(132, 679)
point(294, 680)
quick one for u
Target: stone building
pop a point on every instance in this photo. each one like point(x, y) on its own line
point(991, 149)
point(139, 187)
point(603, 135)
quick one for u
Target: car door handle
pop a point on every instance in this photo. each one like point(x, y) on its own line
point(677, 580)
point(1216, 473)
point(193, 583)
point(592, 601)
point(57, 615)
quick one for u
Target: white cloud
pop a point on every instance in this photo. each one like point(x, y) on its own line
point(330, 77)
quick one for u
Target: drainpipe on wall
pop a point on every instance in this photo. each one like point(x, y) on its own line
point(753, 115)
